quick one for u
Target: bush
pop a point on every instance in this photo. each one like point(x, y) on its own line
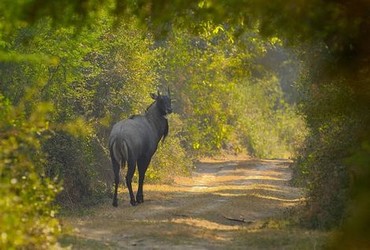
point(69, 159)
point(321, 164)
point(267, 125)
point(171, 159)
point(27, 218)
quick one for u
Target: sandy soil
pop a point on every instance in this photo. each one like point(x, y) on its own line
point(233, 204)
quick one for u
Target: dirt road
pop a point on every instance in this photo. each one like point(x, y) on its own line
point(224, 205)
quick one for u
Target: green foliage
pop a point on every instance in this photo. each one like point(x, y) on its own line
point(321, 163)
point(171, 159)
point(27, 218)
point(226, 100)
point(268, 126)
point(355, 231)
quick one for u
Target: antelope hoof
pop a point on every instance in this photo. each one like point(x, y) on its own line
point(140, 199)
point(115, 203)
point(133, 203)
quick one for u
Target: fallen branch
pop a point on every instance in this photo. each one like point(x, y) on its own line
point(241, 219)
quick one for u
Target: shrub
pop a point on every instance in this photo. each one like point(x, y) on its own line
point(321, 164)
point(27, 218)
point(171, 159)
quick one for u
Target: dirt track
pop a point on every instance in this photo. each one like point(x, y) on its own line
point(228, 204)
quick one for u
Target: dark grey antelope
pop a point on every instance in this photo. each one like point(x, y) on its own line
point(135, 140)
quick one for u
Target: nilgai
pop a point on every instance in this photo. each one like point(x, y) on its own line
point(134, 141)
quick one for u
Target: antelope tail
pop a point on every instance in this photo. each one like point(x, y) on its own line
point(120, 152)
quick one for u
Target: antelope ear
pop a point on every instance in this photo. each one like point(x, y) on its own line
point(153, 96)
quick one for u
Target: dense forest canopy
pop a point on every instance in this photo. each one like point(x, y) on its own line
point(70, 69)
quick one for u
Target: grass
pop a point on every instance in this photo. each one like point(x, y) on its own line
point(273, 239)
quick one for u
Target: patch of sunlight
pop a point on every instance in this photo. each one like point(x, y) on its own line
point(223, 189)
point(228, 194)
point(158, 208)
point(264, 187)
point(200, 234)
point(165, 188)
point(263, 177)
point(205, 224)
point(278, 199)
point(271, 188)
point(207, 189)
